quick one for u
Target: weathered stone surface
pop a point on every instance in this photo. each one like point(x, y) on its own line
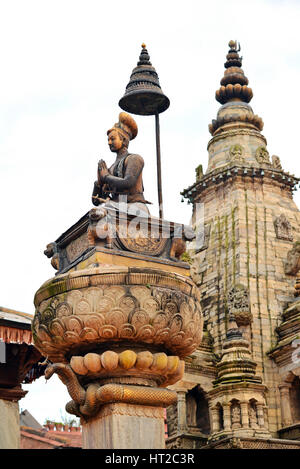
point(248, 204)
point(9, 425)
point(114, 305)
point(110, 428)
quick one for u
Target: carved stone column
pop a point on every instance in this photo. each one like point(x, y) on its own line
point(215, 419)
point(286, 414)
point(244, 414)
point(227, 417)
point(181, 411)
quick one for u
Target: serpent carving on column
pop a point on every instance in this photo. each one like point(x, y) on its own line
point(86, 403)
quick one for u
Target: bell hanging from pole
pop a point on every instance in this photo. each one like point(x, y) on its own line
point(144, 97)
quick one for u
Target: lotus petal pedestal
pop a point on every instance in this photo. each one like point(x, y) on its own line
point(116, 337)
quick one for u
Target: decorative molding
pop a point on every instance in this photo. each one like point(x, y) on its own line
point(109, 410)
point(157, 367)
point(137, 308)
point(114, 276)
point(12, 394)
point(234, 133)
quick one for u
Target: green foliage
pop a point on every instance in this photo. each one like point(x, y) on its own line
point(185, 257)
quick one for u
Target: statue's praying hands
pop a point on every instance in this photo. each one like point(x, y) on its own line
point(124, 177)
point(102, 172)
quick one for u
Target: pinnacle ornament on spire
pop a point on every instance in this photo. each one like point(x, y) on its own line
point(234, 90)
point(143, 94)
point(234, 82)
point(144, 58)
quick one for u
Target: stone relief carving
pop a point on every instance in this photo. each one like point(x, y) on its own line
point(292, 264)
point(77, 247)
point(283, 228)
point(86, 401)
point(236, 416)
point(262, 156)
point(236, 154)
point(140, 241)
point(253, 416)
point(157, 315)
point(276, 163)
point(238, 304)
point(172, 417)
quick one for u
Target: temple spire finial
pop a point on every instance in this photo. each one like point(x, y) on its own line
point(234, 82)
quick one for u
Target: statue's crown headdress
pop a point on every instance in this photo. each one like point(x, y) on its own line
point(126, 126)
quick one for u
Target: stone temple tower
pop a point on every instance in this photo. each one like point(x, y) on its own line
point(241, 387)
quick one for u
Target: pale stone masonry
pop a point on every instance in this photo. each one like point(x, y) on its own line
point(249, 224)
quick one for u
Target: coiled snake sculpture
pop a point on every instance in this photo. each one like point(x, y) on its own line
point(86, 402)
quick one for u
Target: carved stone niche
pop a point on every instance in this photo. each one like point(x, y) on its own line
point(283, 228)
point(197, 412)
point(238, 304)
point(292, 264)
point(252, 412)
point(235, 414)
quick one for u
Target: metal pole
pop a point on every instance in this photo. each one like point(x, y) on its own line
point(159, 188)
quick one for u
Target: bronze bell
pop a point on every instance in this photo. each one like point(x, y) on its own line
point(143, 94)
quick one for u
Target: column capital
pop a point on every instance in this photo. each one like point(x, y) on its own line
point(244, 402)
point(284, 387)
point(226, 405)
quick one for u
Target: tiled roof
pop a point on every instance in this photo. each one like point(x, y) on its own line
point(15, 326)
point(43, 439)
point(15, 316)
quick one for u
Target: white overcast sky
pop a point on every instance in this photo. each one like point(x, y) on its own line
point(64, 66)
